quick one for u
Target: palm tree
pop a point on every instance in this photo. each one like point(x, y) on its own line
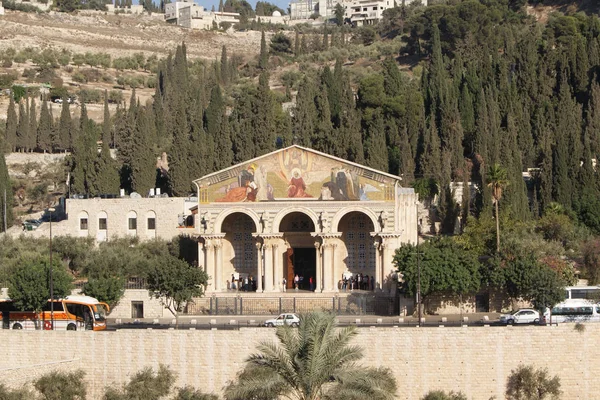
point(312, 362)
point(497, 182)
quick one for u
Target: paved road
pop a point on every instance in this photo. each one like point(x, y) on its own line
point(238, 321)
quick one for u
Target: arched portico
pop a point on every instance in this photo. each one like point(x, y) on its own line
point(294, 209)
point(218, 224)
point(335, 221)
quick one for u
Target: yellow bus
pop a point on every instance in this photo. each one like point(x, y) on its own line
point(71, 313)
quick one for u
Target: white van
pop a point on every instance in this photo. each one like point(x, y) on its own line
point(575, 310)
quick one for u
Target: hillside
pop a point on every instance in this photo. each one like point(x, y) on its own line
point(117, 35)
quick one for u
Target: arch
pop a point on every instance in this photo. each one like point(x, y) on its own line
point(289, 210)
point(335, 221)
point(225, 213)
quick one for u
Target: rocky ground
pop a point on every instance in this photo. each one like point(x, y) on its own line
point(118, 35)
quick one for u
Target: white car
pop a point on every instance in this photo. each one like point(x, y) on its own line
point(284, 319)
point(522, 316)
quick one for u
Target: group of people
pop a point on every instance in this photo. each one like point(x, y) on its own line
point(356, 282)
point(245, 284)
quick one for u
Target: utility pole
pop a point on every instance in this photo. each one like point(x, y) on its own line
point(5, 214)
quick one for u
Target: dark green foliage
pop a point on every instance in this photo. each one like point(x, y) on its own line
point(338, 11)
point(6, 192)
point(11, 126)
point(446, 267)
point(175, 283)
point(143, 162)
point(263, 57)
point(375, 146)
point(29, 282)
point(66, 130)
point(528, 383)
point(189, 393)
point(108, 289)
point(313, 361)
point(15, 394)
point(62, 385)
point(72, 251)
point(106, 126)
point(23, 128)
point(144, 385)
point(106, 176)
point(280, 43)
point(44, 129)
point(217, 127)
point(441, 395)
point(33, 127)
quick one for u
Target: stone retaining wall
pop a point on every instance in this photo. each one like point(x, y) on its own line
point(474, 360)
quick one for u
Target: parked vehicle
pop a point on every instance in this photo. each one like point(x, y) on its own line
point(284, 319)
point(577, 310)
point(71, 313)
point(522, 316)
point(31, 224)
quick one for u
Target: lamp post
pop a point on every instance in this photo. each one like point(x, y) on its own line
point(51, 210)
point(418, 271)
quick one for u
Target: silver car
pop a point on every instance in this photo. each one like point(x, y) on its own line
point(284, 319)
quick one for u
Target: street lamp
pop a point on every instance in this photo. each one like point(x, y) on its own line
point(418, 270)
point(51, 210)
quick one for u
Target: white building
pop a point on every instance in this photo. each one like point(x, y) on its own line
point(359, 12)
point(188, 14)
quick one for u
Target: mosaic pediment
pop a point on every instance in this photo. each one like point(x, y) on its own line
point(296, 173)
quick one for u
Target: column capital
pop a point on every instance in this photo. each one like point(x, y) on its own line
point(331, 235)
point(258, 245)
point(267, 246)
point(317, 245)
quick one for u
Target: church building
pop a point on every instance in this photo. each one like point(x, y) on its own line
point(299, 216)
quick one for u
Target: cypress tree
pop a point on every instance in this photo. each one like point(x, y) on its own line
point(44, 133)
point(545, 161)
point(143, 162)
point(5, 193)
point(217, 126)
point(322, 139)
point(242, 129)
point(22, 128)
point(180, 181)
point(65, 129)
point(84, 154)
point(33, 128)
point(392, 79)
point(297, 43)
point(303, 45)
point(11, 126)
point(592, 120)
point(106, 126)
point(263, 58)
point(220, 6)
point(350, 133)
point(106, 173)
point(304, 117)
point(376, 147)
point(407, 161)
point(430, 160)
point(224, 67)
point(325, 45)
point(264, 117)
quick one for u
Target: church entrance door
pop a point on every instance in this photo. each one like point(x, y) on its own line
point(304, 264)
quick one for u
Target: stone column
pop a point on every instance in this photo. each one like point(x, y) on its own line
point(277, 268)
point(219, 265)
point(210, 263)
point(259, 269)
point(333, 280)
point(201, 256)
point(326, 267)
point(383, 261)
point(268, 267)
point(378, 274)
point(319, 267)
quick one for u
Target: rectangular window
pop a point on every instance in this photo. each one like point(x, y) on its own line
point(365, 9)
point(102, 225)
point(132, 223)
point(203, 195)
point(137, 309)
point(375, 8)
point(83, 224)
point(151, 223)
point(389, 193)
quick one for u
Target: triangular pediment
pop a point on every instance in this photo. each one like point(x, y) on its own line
point(296, 173)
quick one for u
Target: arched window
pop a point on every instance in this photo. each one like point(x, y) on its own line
point(83, 219)
point(132, 223)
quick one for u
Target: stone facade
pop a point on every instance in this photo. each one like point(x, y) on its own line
point(84, 218)
point(474, 360)
point(297, 211)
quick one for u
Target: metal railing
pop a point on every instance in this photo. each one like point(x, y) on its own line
point(351, 305)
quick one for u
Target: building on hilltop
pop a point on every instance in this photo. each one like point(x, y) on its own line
point(358, 12)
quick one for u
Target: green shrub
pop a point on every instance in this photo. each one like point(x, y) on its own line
point(6, 80)
point(90, 96)
point(115, 96)
point(79, 77)
point(441, 395)
point(527, 383)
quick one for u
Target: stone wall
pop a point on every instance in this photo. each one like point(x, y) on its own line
point(474, 360)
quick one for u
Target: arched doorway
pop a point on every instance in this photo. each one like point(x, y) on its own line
point(301, 257)
point(240, 262)
point(356, 228)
